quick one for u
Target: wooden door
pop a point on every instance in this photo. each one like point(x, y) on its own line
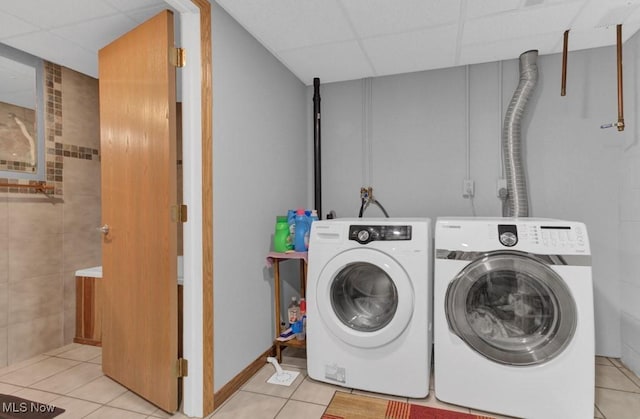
point(139, 256)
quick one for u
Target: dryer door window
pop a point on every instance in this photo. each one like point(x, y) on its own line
point(511, 308)
point(365, 298)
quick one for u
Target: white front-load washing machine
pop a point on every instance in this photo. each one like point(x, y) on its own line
point(513, 316)
point(369, 304)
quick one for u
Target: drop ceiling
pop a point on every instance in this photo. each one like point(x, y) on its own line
point(338, 40)
point(352, 39)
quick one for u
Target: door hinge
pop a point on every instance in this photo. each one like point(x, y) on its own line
point(179, 213)
point(182, 368)
point(178, 57)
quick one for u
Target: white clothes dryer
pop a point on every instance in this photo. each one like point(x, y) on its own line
point(369, 304)
point(513, 316)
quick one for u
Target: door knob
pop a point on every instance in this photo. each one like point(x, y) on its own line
point(103, 229)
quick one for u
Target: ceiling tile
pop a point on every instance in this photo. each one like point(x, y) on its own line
point(12, 26)
point(597, 37)
point(599, 13)
point(507, 49)
point(97, 33)
point(481, 8)
point(330, 62)
point(17, 83)
point(142, 15)
point(380, 17)
point(49, 14)
point(58, 50)
point(289, 24)
point(412, 51)
point(519, 24)
point(131, 5)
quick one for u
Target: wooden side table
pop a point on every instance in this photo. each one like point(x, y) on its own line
point(274, 258)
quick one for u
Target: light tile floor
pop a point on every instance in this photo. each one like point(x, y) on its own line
point(71, 378)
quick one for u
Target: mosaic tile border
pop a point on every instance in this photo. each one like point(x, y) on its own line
point(56, 148)
point(19, 166)
point(53, 124)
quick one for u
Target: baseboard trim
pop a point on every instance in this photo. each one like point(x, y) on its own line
point(236, 382)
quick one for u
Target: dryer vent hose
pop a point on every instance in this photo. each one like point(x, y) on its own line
point(517, 199)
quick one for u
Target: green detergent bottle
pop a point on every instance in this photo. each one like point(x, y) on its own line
point(281, 235)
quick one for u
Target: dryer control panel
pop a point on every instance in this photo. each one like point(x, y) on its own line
point(364, 234)
point(553, 236)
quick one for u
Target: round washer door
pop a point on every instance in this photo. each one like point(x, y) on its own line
point(364, 297)
point(512, 308)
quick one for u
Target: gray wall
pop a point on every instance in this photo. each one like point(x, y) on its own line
point(629, 190)
point(260, 170)
point(418, 153)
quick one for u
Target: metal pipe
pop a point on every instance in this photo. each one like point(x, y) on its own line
point(517, 196)
point(317, 178)
point(565, 45)
point(620, 123)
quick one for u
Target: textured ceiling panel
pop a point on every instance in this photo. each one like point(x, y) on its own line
point(97, 33)
point(331, 62)
point(48, 14)
point(338, 39)
point(507, 49)
point(381, 17)
point(519, 24)
point(12, 26)
point(412, 51)
point(290, 24)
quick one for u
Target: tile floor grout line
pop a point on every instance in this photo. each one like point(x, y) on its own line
point(255, 392)
point(618, 390)
point(53, 375)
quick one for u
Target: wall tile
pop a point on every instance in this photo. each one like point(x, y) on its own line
point(35, 256)
point(82, 249)
point(69, 326)
point(80, 109)
point(32, 216)
point(33, 298)
point(81, 212)
point(3, 347)
point(4, 307)
point(34, 337)
point(44, 231)
point(4, 244)
point(81, 177)
point(69, 280)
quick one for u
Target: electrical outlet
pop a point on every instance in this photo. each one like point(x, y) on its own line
point(468, 188)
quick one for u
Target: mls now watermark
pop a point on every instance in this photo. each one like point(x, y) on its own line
point(26, 407)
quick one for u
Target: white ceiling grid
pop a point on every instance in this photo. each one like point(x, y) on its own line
point(411, 35)
point(338, 39)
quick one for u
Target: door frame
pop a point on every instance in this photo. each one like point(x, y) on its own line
point(197, 108)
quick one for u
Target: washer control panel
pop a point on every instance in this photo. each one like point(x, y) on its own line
point(364, 234)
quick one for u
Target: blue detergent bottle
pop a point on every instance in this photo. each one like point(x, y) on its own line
point(302, 226)
point(291, 219)
point(311, 217)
